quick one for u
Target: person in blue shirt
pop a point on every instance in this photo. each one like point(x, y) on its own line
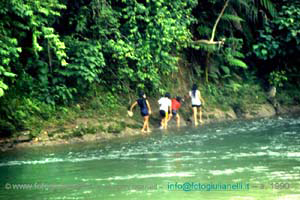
point(145, 110)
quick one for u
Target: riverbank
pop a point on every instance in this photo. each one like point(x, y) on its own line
point(89, 129)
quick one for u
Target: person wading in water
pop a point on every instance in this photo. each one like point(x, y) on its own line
point(197, 101)
point(145, 110)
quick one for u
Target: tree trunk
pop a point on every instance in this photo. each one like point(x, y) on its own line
point(217, 21)
point(212, 40)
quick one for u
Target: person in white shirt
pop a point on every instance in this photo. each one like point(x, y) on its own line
point(165, 109)
point(197, 102)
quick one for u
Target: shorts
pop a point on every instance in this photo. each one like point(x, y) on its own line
point(144, 112)
point(198, 106)
point(174, 113)
point(163, 114)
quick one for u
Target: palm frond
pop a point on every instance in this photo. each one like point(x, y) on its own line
point(204, 47)
point(237, 54)
point(250, 12)
point(247, 33)
point(269, 6)
point(225, 69)
point(231, 17)
point(234, 41)
point(235, 19)
point(253, 14)
point(225, 26)
point(236, 62)
point(242, 3)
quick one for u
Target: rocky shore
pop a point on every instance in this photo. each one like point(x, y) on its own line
point(131, 127)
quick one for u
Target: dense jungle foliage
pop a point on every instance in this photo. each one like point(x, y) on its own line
point(56, 53)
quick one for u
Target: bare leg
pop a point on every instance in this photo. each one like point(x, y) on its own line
point(200, 115)
point(169, 118)
point(195, 116)
point(165, 121)
point(178, 120)
point(145, 123)
point(147, 126)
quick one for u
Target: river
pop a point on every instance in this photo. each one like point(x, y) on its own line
point(252, 159)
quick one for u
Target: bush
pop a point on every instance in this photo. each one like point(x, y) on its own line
point(237, 95)
point(288, 96)
point(116, 128)
point(6, 128)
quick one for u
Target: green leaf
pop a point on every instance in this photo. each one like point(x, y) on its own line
point(3, 85)
point(237, 63)
point(231, 17)
point(9, 74)
point(264, 52)
point(225, 69)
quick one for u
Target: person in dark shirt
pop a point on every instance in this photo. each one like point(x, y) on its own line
point(145, 110)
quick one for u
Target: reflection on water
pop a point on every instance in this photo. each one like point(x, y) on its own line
point(264, 153)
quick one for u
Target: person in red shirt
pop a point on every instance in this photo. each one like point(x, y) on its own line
point(176, 104)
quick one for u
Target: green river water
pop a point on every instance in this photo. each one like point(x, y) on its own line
point(253, 159)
